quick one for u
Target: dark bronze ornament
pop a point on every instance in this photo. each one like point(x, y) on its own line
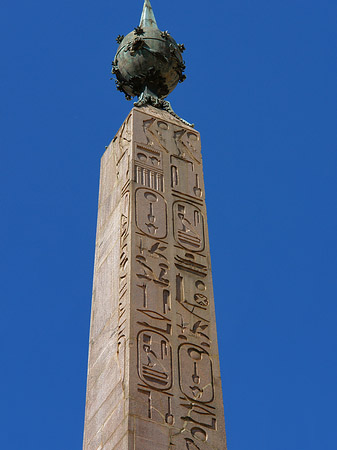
point(181, 48)
point(136, 45)
point(139, 31)
point(119, 38)
point(165, 34)
point(148, 63)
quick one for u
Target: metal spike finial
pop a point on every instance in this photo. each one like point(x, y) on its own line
point(149, 64)
point(148, 19)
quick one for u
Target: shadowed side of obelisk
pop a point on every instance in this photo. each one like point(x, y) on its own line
point(106, 417)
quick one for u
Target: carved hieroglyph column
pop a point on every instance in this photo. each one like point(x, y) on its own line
point(153, 375)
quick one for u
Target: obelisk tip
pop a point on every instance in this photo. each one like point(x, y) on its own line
point(148, 19)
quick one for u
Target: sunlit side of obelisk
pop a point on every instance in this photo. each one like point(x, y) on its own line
point(153, 372)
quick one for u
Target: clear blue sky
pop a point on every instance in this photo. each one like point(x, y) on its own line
point(261, 89)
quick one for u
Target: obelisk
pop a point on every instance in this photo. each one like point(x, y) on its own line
point(153, 371)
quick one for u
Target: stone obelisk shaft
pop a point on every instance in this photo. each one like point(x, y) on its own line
point(153, 373)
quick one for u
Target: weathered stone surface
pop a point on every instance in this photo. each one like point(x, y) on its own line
point(153, 372)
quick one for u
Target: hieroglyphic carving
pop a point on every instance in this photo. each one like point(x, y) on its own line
point(152, 272)
point(148, 169)
point(159, 405)
point(197, 413)
point(151, 213)
point(152, 286)
point(123, 266)
point(121, 151)
point(193, 411)
point(197, 301)
point(198, 422)
point(188, 225)
point(153, 301)
point(195, 327)
point(191, 445)
point(123, 140)
point(150, 158)
point(149, 273)
point(157, 132)
point(200, 415)
point(195, 373)
point(188, 144)
point(123, 169)
point(181, 196)
point(170, 137)
point(185, 177)
point(164, 326)
point(154, 360)
point(191, 262)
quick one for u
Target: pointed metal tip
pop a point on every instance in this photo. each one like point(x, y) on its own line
point(148, 19)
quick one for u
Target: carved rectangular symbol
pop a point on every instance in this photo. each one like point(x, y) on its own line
point(148, 169)
point(154, 360)
point(196, 373)
point(188, 226)
point(151, 213)
point(185, 177)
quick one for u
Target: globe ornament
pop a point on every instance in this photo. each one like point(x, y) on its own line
point(149, 63)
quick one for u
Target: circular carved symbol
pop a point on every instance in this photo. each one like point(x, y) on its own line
point(199, 434)
point(141, 157)
point(194, 354)
point(200, 285)
point(150, 197)
point(201, 299)
point(162, 125)
point(192, 137)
